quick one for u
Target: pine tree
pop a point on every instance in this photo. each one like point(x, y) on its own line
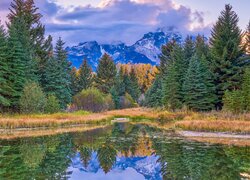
point(153, 97)
point(226, 52)
point(202, 53)
point(165, 55)
point(248, 39)
point(5, 89)
point(85, 76)
point(74, 81)
point(106, 73)
point(64, 91)
point(196, 95)
point(174, 78)
point(32, 37)
point(189, 49)
point(134, 89)
point(16, 63)
point(246, 89)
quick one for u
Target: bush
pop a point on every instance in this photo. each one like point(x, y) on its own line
point(234, 101)
point(127, 101)
point(92, 100)
point(52, 105)
point(32, 100)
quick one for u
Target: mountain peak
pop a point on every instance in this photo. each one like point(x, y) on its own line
point(146, 50)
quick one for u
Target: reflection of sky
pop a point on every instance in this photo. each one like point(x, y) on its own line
point(126, 174)
point(125, 168)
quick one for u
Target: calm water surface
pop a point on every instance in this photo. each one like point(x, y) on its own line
point(123, 152)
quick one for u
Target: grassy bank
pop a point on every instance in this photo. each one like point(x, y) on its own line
point(185, 120)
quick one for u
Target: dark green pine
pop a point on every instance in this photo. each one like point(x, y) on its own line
point(153, 97)
point(196, 95)
point(106, 73)
point(74, 81)
point(17, 65)
point(5, 89)
point(85, 76)
point(226, 51)
point(64, 90)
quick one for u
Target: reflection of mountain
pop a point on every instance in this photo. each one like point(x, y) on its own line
point(146, 166)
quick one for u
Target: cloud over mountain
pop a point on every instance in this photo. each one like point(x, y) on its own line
point(115, 20)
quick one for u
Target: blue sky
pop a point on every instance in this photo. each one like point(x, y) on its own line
point(127, 20)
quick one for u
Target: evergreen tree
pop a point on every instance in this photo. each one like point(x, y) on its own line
point(106, 73)
point(134, 89)
point(32, 37)
point(196, 95)
point(189, 49)
point(85, 76)
point(153, 97)
point(74, 81)
point(16, 63)
point(202, 53)
point(246, 89)
point(165, 55)
point(64, 91)
point(5, 89)
point(226, 52)
point(173, 80)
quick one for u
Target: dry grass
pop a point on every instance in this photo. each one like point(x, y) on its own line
point(215, 126)
point(212, 121)
point(14, 134)
point(225, 141)
point(67, 119)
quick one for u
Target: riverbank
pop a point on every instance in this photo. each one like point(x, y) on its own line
point(183, 120)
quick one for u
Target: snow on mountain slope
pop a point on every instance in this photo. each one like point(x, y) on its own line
point(145, 50)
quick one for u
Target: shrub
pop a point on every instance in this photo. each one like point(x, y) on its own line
point(92, 100)
point(52, 105)
point(33, 99)
point(127, 101)
point(233, 101)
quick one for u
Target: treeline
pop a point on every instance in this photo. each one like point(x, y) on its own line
point(112, 86)
point(30, 66)
point(203, 75)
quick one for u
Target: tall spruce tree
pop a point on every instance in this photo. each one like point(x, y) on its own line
point(165, 55)
point(153, 97)
point(189, 49)
point(202, 53)
point(64, 93)
point(226, 52)
point(196, 95)
point(16, 63)
point(5, 89)
point(85, 76)
point(106, 73)
point(74, 81)
point(32, 37)
point(246, 89)
point(173, 80)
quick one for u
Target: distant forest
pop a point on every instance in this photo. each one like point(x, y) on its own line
point(199, 75)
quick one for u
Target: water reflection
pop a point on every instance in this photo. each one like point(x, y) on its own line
point(121, 151)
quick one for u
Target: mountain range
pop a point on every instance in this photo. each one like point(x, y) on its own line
point(146, 50)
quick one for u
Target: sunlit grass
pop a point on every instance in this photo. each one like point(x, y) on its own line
point(187, 120)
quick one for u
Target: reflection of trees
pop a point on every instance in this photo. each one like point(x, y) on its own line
point(106, 156)
point(188, 160)
point(32, 153)
point(85, 154)
point(35, 158)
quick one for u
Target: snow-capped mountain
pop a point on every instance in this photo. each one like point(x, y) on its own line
point(145, 50)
